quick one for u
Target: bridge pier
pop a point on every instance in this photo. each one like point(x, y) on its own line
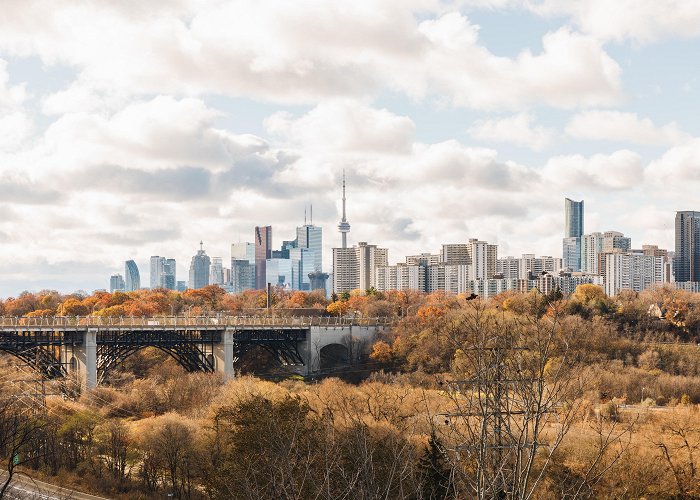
point(85, 359)
point(223, 354)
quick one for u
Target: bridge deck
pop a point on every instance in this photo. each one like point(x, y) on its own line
point(177, 323)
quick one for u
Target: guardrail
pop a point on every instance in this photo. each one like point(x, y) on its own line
point(185, 321)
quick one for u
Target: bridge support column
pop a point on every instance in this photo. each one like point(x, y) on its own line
point(91, 358)
point(86, 359)
point(223, 354)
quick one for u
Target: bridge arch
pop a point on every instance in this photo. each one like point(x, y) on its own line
point(42, 359)
point(191, 357)
point(333, 356)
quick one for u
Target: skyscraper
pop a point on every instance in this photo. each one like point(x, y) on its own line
point(133, 280)
point(263, 251)
point(573, 231)
point(216, 271)
point(573, 218)
point(169, 277)
point(242, 267)
point(311, 237)
point(303, 264)
point(199, 269)
point(163, 273)
point(116, 283)
point(156, 271)
point(687, 256)
point(344, 225)
point(243, 251)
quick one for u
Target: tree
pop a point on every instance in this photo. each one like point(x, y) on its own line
point(381, 351)
point(515, 380)
point(20, 439)
point(435, 471)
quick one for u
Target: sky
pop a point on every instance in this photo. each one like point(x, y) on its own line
point(131, 128)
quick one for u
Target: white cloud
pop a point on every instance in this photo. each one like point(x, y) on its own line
point(345, 126)
point(640, 20)
point(517, 129)
point(572, 70)
point(621, 170)
point(15, 123)
point(678, 164)
point(621, 126)
point(300, 52)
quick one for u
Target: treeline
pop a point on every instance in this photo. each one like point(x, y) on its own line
point(679, 310)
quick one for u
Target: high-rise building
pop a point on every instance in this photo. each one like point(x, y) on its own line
point(278, 272)
point(163, 273)
point(116, 283)
point(456, 253)
point(199, 269)
point(156, 271)
point(169, 276)
point(615, 239)
point(571, 254)
point(311, 237)
point(263, 252)
point(242, 275)
point(687, 255)
point(654, 251)
point(591, 248)
point(303, 264)
point(242, 267)
point(346, 270)
point(344, 225)
point(573, 231)
point(633, 271)
point(243, 251)
point(482, 259)
point(573, 218)
point(133, 280)
point(424, 259)
point(216, 271)
point(528, 266)
point(594, 245)
point(355, 268)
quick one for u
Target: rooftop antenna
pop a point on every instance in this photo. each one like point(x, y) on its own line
point(311, 209)
point(201, 245)
point(304, 215)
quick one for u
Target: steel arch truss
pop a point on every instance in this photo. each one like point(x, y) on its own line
point(193, 350)
point(39, 351)
point(281, 343)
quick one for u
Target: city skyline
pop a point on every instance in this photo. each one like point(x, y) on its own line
point(128, 133)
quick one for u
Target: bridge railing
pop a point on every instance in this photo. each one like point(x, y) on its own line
point(186, 321)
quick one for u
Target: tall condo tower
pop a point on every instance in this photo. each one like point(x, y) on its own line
point(573, 231)
point(263, 252)
point(344, 225)
point(133, 279)
point(687, 258)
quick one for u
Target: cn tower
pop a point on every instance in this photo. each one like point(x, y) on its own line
point(344, 225)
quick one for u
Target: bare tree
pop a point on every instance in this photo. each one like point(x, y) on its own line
point(19, 431)
point(516, 398)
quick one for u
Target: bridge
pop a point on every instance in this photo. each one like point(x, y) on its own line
point(90, 346)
